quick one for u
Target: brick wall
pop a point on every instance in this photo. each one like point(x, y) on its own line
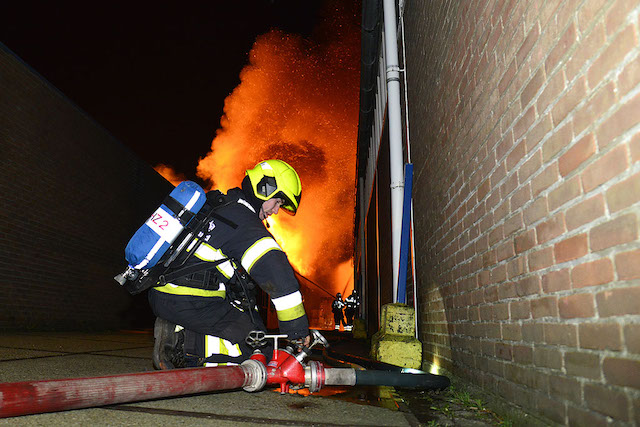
point(525, 139)
point(70, 197)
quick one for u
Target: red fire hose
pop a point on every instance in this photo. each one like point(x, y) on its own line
point(35, 397)
point(284, 368)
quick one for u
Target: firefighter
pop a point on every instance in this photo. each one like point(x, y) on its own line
point(351, 305)
point(204, 318)
point(336, 307)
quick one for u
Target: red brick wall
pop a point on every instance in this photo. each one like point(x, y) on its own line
point(70, 198)
point(525, 139)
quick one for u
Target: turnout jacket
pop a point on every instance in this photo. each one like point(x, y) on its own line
point(337, 305)
point(238, 233)
point(351, 302)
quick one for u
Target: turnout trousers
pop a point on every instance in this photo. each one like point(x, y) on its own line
point(215, 330)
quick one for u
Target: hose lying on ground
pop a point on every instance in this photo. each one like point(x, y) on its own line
point(424, 381)
point(381, 374)
point(332, 356)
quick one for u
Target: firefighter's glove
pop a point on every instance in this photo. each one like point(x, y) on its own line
point(300, 344)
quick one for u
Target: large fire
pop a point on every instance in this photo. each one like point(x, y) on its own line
point(298, 101)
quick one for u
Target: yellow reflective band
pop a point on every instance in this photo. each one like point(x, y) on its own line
point(170, 288)
point(287, 301)
point(291, 313)
point(216, 345)
point(207, 252)
point(257, 250)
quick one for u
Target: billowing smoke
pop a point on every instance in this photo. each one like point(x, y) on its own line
point(298, 101)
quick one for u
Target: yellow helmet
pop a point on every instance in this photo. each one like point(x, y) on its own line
point(275, 178)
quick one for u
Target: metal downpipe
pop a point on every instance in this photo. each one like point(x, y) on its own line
point(395, 135)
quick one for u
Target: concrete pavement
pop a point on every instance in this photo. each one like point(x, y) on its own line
point(44, 356)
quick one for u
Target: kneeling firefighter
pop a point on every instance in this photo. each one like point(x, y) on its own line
point(217, 311)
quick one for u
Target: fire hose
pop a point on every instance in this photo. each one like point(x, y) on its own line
point(380, 373)
point(35, 397)
point(284, 368)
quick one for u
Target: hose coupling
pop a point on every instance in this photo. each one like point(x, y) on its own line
point(255, 375)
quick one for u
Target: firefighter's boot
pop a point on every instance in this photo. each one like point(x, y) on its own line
point(168, 350)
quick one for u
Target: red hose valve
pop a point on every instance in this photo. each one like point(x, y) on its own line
point(283, 369)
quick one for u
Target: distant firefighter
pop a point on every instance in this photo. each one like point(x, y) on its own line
point(352, 304)
point(337, 307)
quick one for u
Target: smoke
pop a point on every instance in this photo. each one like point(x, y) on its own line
point(298, 101)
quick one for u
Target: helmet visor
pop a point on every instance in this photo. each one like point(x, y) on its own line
point(267, 186)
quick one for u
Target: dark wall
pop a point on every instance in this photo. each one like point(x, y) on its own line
point(71, 196)
point(371, 279)
point(383, 181)
point(378, 228)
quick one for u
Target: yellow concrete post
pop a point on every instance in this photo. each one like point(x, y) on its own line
point(359, 329)
point(395, 342)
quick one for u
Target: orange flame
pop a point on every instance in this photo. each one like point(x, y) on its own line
point(169, 174)
point(298, 101)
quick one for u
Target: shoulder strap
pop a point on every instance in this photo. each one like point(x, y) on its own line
point(193, 268)
point(225, 220)
point(216, 200)
point(195, 231)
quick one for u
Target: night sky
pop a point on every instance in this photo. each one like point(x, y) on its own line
point(154, 74)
